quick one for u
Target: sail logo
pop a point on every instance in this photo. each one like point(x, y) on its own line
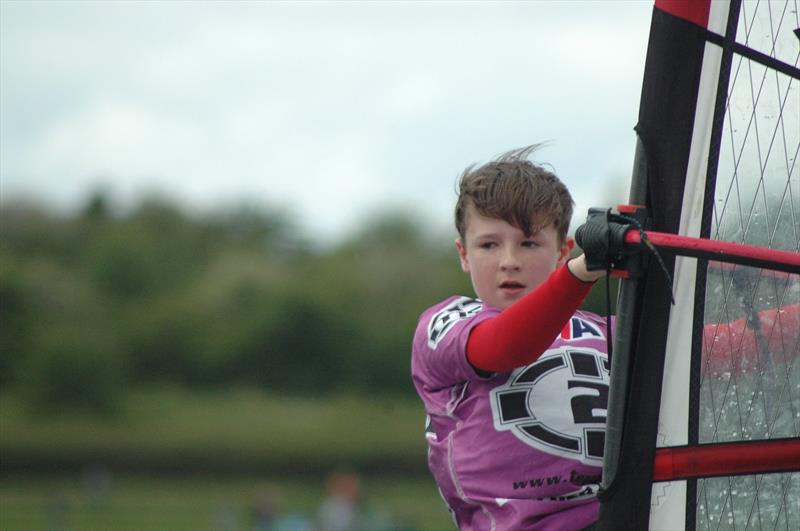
point(557, 404)
point(444, 320)
point(578, 328)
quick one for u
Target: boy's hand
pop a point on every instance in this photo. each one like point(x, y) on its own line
point(577, 267)
point(602, 240)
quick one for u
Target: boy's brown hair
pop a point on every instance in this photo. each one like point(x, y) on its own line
point(514, 189)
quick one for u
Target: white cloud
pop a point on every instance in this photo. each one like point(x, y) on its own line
point(329, 109)
point(413, 97)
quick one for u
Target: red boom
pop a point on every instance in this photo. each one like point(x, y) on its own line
point(739, 253)
point(726, 459)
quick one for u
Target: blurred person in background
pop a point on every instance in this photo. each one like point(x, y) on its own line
point(340, 510)
point(268, 512)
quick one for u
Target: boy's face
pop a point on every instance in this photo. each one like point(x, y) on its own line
point(503, 263)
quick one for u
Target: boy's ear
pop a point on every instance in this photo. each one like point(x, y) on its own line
point(462, 255)
point(565, 251)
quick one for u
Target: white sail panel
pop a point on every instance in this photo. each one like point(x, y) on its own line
point(750, 382)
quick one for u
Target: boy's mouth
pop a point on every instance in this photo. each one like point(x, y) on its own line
point(512, 286)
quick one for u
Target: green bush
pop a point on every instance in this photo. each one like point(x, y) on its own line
point(73, 369)
point(16, 319)
point(238, 297)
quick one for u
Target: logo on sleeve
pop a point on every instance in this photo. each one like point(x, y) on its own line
point(443, 321)
point(557, 404)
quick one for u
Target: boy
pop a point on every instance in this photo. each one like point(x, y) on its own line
point(515, 383)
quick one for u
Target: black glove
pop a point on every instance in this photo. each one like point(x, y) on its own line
point(602, 241)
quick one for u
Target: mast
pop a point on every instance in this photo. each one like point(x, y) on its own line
point(664, 131)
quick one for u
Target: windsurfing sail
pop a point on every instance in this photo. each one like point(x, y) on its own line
point(704, 407)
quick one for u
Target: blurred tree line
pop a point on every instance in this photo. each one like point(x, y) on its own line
point(95, 303)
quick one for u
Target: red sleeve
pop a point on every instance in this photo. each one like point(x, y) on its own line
point(518, 336)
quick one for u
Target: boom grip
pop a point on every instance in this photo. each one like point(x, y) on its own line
point(602, 240)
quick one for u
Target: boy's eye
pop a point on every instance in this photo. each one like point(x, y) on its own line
point(487, 245)
point(530, 243)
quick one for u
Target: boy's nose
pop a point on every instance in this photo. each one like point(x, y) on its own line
point(510, 262)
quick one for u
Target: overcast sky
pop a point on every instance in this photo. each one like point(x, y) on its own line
point(333, 111)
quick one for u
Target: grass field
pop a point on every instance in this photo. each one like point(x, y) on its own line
point(179, 460)
point(131, 503)
point(241, 430)
point(136, 503)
